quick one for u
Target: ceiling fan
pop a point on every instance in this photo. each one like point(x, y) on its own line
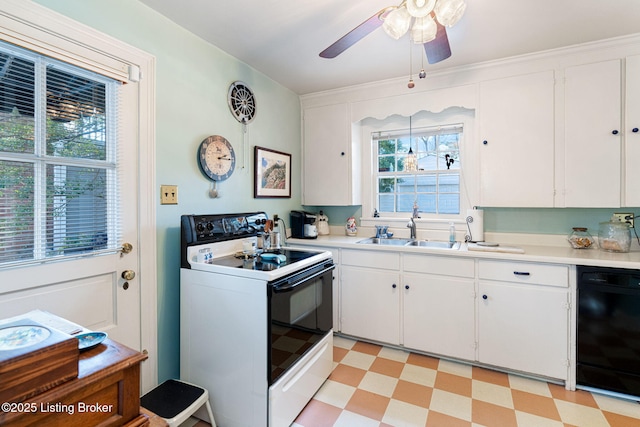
point(429, 18)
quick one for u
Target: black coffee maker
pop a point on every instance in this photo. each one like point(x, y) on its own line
point(303, 225)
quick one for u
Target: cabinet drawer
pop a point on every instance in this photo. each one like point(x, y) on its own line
point(375, 259)
point(444, 265)
point(525, 272)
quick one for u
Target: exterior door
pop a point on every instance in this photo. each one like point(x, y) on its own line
point(91, 291)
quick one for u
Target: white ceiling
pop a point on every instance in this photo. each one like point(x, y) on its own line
point(282, 38)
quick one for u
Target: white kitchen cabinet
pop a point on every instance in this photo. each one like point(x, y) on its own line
point(593, 135)
point(439, 315)
point(439, 305)
point(523, 317)
point(371, 304)
point(517, 141)
point(331, 158)
point(632, 131)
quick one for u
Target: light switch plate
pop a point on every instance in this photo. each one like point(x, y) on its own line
point(168, 194)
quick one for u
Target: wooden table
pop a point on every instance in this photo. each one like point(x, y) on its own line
point(106, 393)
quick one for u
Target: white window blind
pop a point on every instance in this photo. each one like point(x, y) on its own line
point(58, 162)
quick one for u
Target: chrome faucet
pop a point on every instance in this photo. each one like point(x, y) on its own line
point(411, 225)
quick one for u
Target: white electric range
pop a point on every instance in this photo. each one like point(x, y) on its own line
point(256, 331)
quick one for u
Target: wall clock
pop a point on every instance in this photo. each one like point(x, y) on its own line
point(216, 158)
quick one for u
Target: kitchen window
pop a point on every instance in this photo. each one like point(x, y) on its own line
point(418, 168)
point(58, 168)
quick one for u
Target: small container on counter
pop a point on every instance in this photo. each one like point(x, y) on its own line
point(580, 238)
point(614, 236)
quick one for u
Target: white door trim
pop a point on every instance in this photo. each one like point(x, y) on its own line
point(39, 28)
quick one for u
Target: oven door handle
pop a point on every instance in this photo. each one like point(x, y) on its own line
point(288, 287)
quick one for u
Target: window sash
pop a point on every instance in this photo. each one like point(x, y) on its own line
point(394, 192)
point(58, 193)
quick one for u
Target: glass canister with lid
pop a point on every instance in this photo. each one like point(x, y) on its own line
point(580, 238)
point(614, 236)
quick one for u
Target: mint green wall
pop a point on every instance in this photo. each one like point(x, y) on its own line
point(192, 80)
point(510, 220)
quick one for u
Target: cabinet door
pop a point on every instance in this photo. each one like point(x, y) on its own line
point(517, 137)
point(371, 304)
point(632, 132)
point(327, 175)
point(439, 315)
point(593, 135)
point(524, 327)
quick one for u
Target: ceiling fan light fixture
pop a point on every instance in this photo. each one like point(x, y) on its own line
point(449, 12)
point(397, 22)
point(424, 30)
point(420, 8)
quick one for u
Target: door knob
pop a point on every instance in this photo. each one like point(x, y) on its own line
point(126, 248)
point(128, 274)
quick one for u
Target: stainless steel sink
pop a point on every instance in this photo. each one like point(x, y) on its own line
point(435, 244)
point(395, 241)
point(392, 241)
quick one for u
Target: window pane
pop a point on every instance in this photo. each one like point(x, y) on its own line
point(75, 116)
point(407, 184)
point(16, 211)
point(386, 146)
point(76, 209)
point(386, 163)
point(386, 203)
point(427, 203)
point(449, 203)
point(386, 185)
point(405, 202)
point(449, 184)
point(16, 104)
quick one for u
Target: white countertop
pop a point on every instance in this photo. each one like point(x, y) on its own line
point(533, 253)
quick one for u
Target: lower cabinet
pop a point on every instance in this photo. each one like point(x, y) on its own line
point(371, 304)
point(523, 317)
point(439, 315)
point(511, 315)
point(438, 295)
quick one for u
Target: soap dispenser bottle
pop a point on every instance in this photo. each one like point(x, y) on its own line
point(452, 232)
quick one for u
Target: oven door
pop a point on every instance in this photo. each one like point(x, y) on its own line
point(300, 312)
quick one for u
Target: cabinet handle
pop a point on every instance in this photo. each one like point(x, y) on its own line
point(485, 142)
point(635, 130)
point(485, 297)
point(522, 273)
point(406, 286)
point(342, 153)
point(394, 286)
point(615, 132)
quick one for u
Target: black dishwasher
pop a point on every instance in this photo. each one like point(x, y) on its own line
point(608, 338)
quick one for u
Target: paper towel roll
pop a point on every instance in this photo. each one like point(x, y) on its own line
point(475, 225)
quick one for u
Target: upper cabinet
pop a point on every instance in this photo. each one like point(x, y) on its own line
point(593, 135)
point(331, 168)
point(632, 132)
point(517, 141)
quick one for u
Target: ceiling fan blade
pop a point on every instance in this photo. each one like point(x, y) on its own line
point(355, 35)
point(438, 49)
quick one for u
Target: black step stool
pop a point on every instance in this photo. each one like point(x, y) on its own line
point(176, 401)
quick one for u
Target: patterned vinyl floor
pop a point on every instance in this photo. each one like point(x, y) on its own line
point(375, 386)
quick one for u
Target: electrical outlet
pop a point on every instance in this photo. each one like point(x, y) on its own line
point(622, 217)
point(168, 194)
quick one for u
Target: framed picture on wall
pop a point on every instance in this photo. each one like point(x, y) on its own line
point(272, 173)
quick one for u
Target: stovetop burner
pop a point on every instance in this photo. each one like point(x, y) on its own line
point(265, 261)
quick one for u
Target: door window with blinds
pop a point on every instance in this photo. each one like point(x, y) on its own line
point(58, 168)
point(418, 167)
